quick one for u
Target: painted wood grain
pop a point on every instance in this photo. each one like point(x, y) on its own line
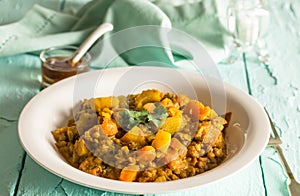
point(18, 83)
point(276, 85)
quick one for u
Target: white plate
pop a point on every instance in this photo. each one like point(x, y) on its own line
point(49, 109)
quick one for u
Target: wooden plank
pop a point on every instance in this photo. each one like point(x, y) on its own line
point(11, 156)
point(276, 85)
point(234, 74)
point(274, 174)
point(18, 83)
point(261, 90)
point(37, 181)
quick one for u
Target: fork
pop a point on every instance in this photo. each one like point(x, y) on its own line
point(294, 186)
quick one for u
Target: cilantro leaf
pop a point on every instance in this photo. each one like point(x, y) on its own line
point(159, 113)
point(131, 118)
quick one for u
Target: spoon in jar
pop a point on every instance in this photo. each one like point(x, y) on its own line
point(85, 46)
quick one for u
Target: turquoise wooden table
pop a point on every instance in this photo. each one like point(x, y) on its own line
point(276, 85)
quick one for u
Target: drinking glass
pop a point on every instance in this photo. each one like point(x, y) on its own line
point(247, 22)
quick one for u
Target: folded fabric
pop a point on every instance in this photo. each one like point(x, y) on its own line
point(43, 28)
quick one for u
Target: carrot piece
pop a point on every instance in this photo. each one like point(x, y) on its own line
point(129, 173)
point(197, 111)
point(205, 113)
point(109, 127)
point(162, 140)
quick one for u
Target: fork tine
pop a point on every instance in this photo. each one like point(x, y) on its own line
point(276, 140)
point(293, 187)
point(285, 163)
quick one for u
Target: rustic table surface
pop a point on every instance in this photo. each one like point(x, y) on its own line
point(275, 85)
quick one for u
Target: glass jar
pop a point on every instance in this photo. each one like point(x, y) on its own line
point(56, 64)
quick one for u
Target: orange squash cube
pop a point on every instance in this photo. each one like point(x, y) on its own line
point(129, 174)
point(162, 140)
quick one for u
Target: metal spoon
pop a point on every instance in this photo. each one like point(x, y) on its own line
point(85, 46)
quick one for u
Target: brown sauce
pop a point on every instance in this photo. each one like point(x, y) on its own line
point(57, 68)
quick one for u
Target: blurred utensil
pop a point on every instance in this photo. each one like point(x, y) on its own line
point(275, 141)
point(85, 46)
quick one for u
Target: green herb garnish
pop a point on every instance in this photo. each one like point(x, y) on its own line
point(131, 118)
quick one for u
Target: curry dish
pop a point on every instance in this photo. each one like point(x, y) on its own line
point(147, 137)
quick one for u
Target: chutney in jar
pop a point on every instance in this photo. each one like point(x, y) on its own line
point(56, 65)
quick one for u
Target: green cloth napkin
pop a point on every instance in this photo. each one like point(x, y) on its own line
point(42, 28)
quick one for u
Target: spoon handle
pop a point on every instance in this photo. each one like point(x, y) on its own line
point(85, 46)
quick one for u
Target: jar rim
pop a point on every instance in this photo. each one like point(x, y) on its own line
point(86, 56)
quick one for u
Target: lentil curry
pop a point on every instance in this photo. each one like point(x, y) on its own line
point(147, 137)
